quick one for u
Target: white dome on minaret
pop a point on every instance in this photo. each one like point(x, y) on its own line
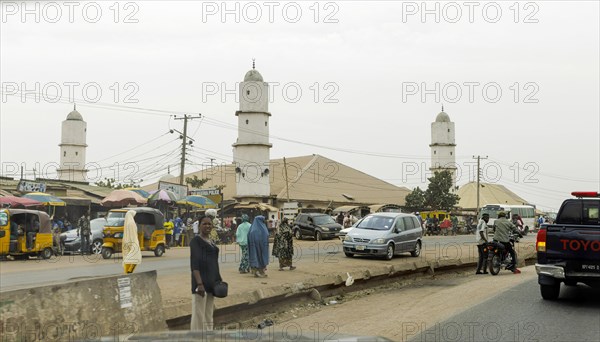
point(443, 146)
point(251, 151)
point(72, 148)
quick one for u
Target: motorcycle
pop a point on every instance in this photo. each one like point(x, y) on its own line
point(498, 255)
point(432, 229)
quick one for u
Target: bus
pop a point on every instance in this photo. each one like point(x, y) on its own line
point(527, 213)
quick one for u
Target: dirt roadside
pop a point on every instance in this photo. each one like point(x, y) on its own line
point(175, 288)
point(398, 311)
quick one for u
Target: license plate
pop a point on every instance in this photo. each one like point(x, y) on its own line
point(590, 268)
point(360, 248)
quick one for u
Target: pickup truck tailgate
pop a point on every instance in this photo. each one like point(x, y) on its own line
point(577, 246)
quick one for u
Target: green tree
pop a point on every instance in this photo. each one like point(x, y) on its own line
point(196, 182)
point(415, 201)
point(113, 184)
point(438, 195)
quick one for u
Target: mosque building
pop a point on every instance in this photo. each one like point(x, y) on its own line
point(72, 148)
point(443, 146)
point(251, 151)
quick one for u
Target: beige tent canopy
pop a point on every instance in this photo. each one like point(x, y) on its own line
point(380, 208)
point(352, 209)
point(488, 194)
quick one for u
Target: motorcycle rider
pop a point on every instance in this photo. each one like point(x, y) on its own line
point(482, 239)
point(502, 231)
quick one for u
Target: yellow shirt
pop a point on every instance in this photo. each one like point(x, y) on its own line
point(169, 227)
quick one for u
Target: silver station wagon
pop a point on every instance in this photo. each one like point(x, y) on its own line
point(384, 235)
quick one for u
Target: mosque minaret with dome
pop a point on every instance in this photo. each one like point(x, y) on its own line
point(72, 148)
point(251, 151)
point(443, 146)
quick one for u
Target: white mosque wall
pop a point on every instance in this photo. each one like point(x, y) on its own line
point(254, 96)
point(253, 128)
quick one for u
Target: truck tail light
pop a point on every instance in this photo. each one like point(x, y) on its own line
point(540, 243)
point(585, 194)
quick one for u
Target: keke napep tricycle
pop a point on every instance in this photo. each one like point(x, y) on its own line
point(25, 233)
point(151, 232)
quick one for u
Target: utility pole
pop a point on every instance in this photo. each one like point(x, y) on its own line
point(478, 179)
point(287, 188)
point(184, 143)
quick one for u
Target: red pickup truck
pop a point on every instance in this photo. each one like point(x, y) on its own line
point(568, 251)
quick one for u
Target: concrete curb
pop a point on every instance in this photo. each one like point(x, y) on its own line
point(177, 315)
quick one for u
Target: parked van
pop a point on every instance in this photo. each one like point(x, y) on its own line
point(151, 231)
point(25, 233)
point(384, 234)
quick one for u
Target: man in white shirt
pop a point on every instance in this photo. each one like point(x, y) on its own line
point(195, 227)
point(481, 236)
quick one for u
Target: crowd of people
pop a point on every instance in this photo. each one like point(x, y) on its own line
point(253, 240)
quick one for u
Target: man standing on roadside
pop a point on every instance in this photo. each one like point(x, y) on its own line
point(83, 230)
point(481, 236)
point(340, 218)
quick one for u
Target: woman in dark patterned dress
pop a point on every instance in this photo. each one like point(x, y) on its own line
point(283, 246)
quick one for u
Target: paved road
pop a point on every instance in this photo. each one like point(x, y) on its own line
point(19, 274)
point(520, 314)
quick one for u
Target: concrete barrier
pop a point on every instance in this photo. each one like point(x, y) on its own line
point(245, 303)
point(83, 309)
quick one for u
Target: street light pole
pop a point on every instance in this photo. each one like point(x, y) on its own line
point(185, 119)
point(478, 179)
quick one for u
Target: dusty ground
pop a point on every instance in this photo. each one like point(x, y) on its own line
point(397, 311)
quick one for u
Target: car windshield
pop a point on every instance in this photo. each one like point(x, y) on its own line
point(97, 224)
point(376, 223)
point(115, 219)
point(324, 219)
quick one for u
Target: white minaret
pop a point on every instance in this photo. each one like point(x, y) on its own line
point(443, 145)
point(72, 148)
point(251, 151)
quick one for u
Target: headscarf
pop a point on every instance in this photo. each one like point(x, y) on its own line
point(245, 218)
point(131, 246)
point(258, 243)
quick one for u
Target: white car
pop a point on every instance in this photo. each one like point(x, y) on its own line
point(345, 231)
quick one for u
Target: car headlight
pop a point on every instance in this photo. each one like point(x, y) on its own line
point(348, 238)
point(118, 235)
point(325, 229)
point(378, 241)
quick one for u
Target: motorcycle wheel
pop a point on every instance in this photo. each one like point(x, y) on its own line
point(495, 264)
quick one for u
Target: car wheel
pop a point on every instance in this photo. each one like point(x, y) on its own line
point(417, 250)
point(349, 255)
point(159, 250)
point(96, 246)
point(298, 234)
point(318, 236)
point(106, 252)
point(389, 252)
point(550, 292)
point(46, 253)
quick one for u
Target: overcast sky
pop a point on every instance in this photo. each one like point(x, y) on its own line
point(372, 76)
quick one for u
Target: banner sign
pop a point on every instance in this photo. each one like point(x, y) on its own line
point(30, 186)
point(179, 190)
point(212, 193)
point(205, 192)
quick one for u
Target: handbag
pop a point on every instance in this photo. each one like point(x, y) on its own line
point(220, 289)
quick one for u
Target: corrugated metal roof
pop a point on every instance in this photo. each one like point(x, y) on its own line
point(488, 194)
point(312, 178)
